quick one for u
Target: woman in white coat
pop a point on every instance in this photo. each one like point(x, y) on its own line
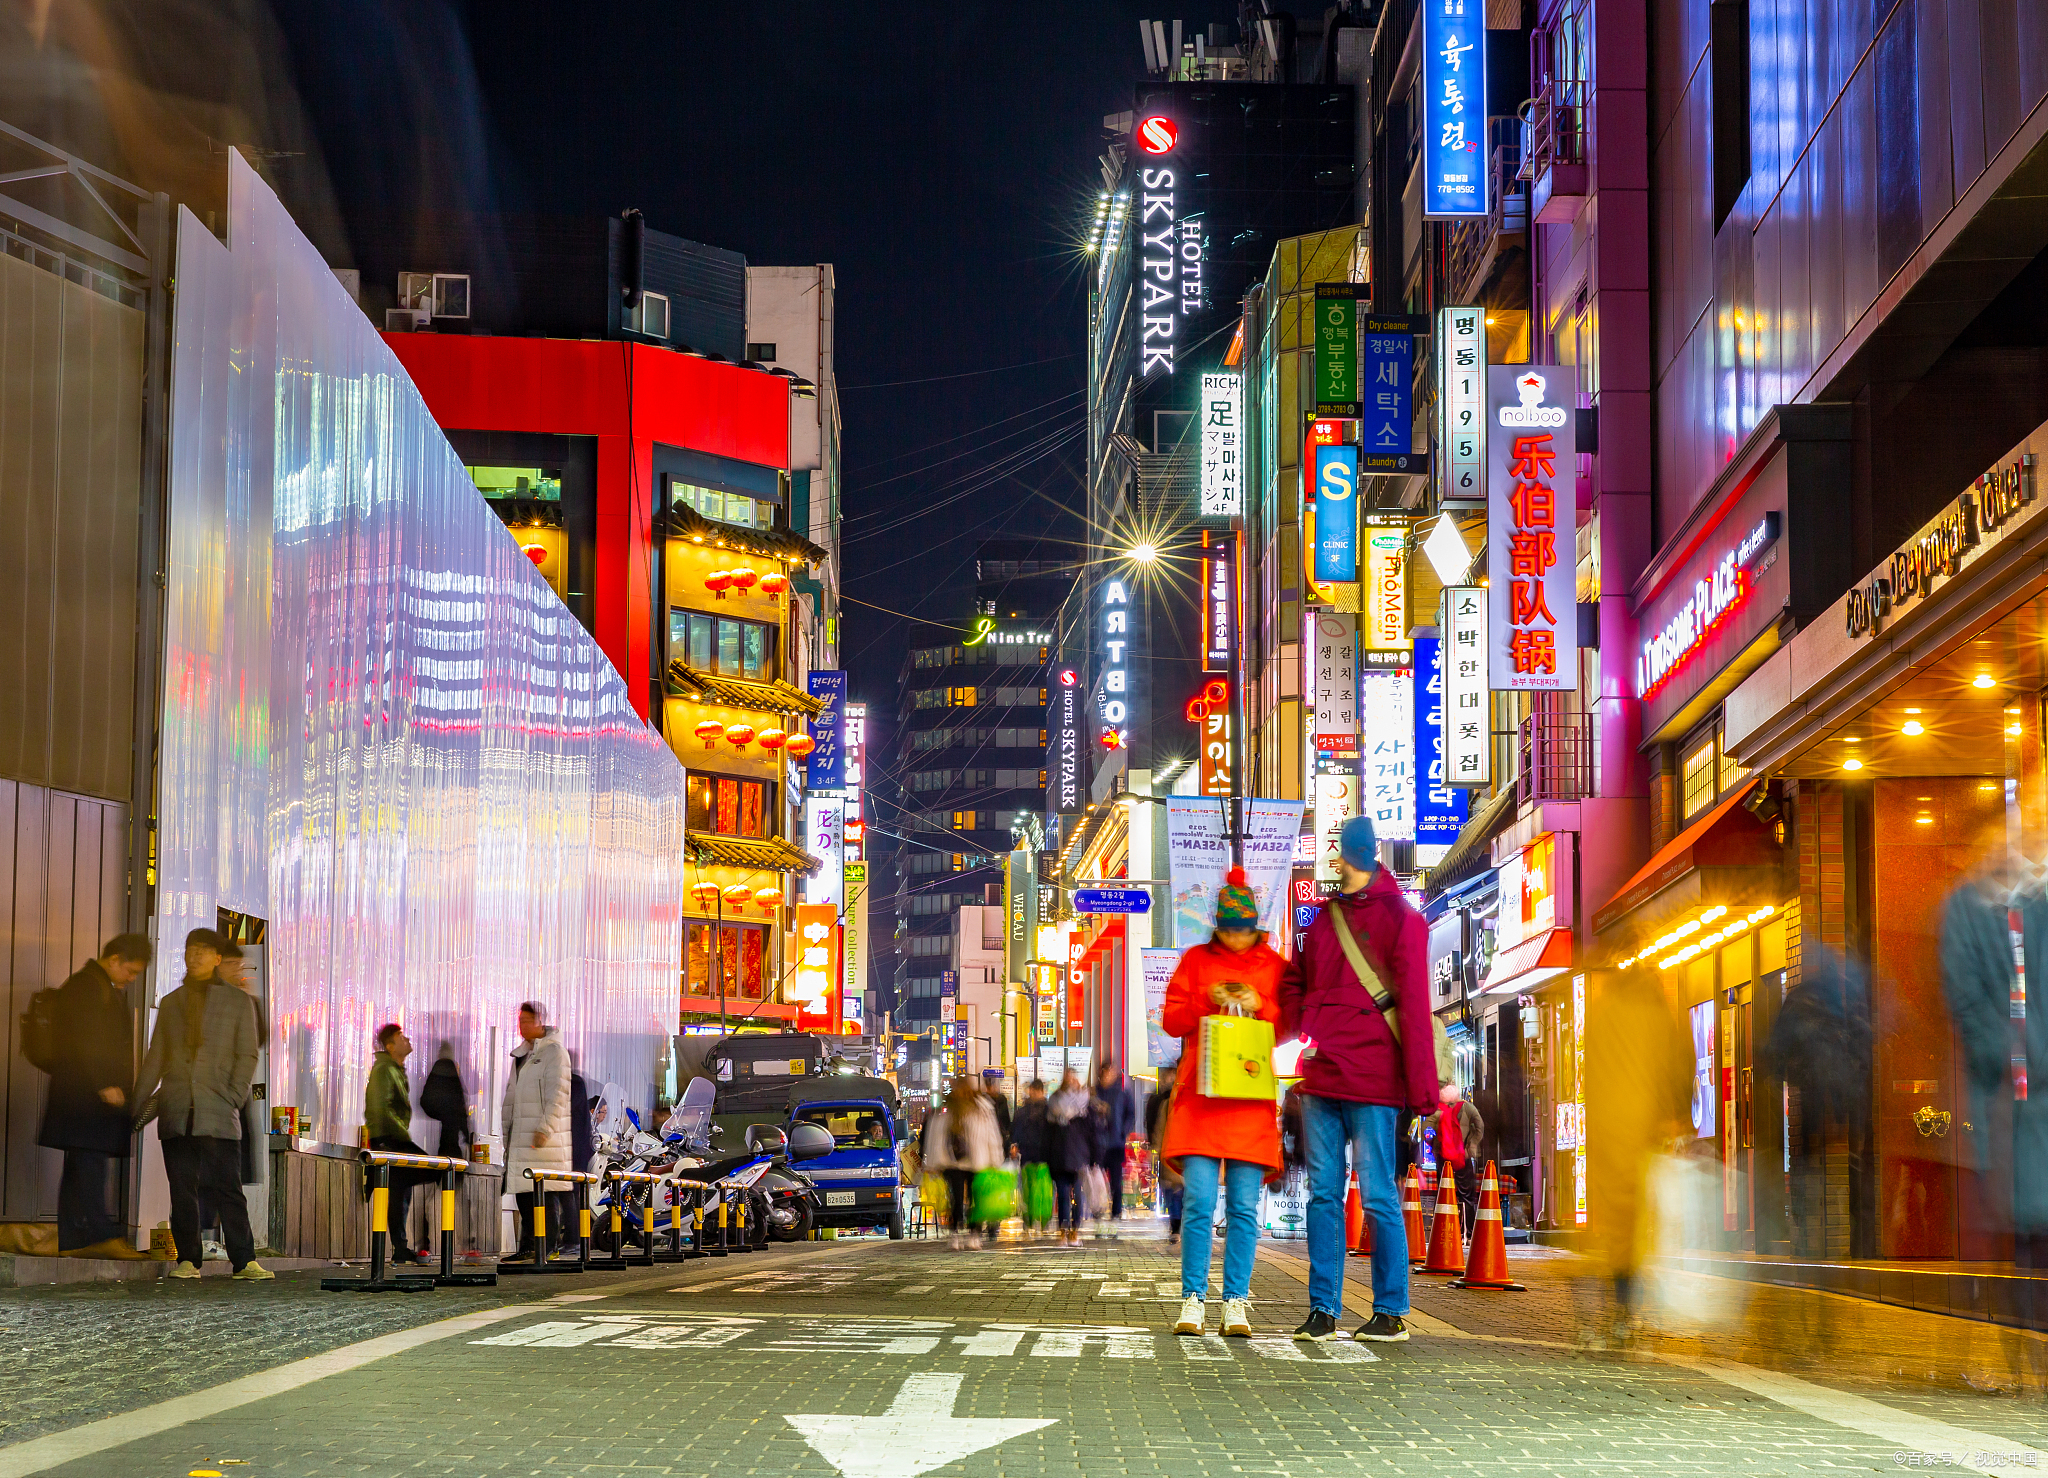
point(962, 1137)
point(536, 1116)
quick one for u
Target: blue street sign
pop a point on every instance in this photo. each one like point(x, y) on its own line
point(1112, 900)
point(1386, 380)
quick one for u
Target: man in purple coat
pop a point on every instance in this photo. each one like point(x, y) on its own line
point(1360, 1077)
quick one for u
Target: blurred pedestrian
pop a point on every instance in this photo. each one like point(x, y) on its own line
point(1226, 1144)
point(961, 1140)
point(535, 1117)
point(565, 1217)
point(1819, 1047)
point(1115, 1115)
point(387, 1120)
point(234, 970)
point(1158, 1114)
point(1458, 1138)
point(195, 1077)
point(1070, 1148)
point(1357, 994)
point(1031, 1133)
point(442, 1099)
point(991, 1087)
point(83, 1036)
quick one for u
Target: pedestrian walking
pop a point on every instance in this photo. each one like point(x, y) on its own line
point(991, 1088)
point(1357, 993)
point(234, 970)
point(195, 1078)
point(1158, 1114)
point(387, 1121)
point(83, 1035)
point(1458, 1135)
point(1231, 1145)
point(535, 1117)
point(1031, 1133)
point(961, 1140)
point(1070, 1148)
point(1115, 1116)
point(442, 1099)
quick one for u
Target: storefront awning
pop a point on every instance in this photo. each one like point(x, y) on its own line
point(772, 855)
point(1527, 965)
point(1725, 837)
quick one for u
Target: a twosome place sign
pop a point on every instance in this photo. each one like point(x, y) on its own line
point(1995, 500)
point(1112, 900)
point(1715, 595)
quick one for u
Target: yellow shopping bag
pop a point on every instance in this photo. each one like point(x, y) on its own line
point(1237, 1058)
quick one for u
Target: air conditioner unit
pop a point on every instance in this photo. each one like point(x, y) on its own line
point(405, 320)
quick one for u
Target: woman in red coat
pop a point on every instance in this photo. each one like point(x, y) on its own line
point(1233, 1143)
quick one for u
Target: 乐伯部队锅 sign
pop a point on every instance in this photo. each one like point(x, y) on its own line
point(1983, 514)
point(1531, 528)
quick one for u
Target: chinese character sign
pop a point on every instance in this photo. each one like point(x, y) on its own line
point(1386, 752)
point(1333, 679)
point(825, 837)
point(1386, 420)
point(1532, 528)
point(1336, 331)
point(827, 764)
point(1439, 809)
point(1467, 717)
point(1461, 404)
point(814, 984)
point(1336, 496)
point(1222, 445)
point(1454, 109)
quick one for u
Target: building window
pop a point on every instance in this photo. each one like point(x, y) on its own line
point(534, 484)
point(960, 697)
point(729, 806)
point(734, 508)
point(964, 821)
point(736, 964)
point(765, 353)
point(934, 656)
point(1696, 779)
point(650, 317)
point(719, 644)
point(1730, 772)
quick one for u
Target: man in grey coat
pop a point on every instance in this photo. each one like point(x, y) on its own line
point(195, 1078)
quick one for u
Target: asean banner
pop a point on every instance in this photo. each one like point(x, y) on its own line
point(1531, 528)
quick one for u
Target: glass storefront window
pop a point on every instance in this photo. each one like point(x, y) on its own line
point(1696, 780)
point(721, 645)
point(535, 484)
point(733, 508)
point(728, 806)
point(741, 950)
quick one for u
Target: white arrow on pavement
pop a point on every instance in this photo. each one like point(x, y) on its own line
point(916, 1434)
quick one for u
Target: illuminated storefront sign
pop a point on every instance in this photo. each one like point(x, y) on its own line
point(814, 985)
point(1461, 405)
point(826, 767)
point(1439, 808)
point(1468, 747)
point(1170, 280)
point(1386, 417)
point(985, 630)
point(1333, 680)
point(1336, 803)
point(1336, 509)
point(1454, 110)
point(1724, 587)
point(1336, 335)
point(1222, 445)
point(1386, 752)
point(1219, 606)
point(1386, 583)
point(854, 940)
point(825, 838)
point(1209, 711)
point(853, 828)
point(1994, 501)
point(1539, 897)
point(1063, 749)
point(1533, 644)
point(1157, 135)
point(1116, 658)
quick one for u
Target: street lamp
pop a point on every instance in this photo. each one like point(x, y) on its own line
point(1145, 554)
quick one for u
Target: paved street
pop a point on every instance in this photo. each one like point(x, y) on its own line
point(872, 1359)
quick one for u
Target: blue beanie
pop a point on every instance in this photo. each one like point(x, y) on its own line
point(1360, 844)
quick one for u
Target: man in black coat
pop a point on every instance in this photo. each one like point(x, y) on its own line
point(92, 1077)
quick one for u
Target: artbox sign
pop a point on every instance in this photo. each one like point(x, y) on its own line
point(1461, 405)
point(1715, 596)
point(1116, 656)
point(1468, 748)
point(1222, 445)
point(1454, 110)
point(1531, 525)
point(1219, 606)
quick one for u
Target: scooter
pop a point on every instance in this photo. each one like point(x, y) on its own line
point(782, 1202)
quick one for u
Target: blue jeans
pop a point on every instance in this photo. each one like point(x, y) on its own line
point(1241, 1179)
point(1329, 1125)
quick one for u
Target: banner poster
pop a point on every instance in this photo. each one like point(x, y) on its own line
point(1197, 856)
point(1272, 831)
point(1158, 965)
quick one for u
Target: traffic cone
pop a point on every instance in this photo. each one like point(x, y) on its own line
point(1488, 1267)
point(1411, 1215)
point(1447, 1236)
point(1354, 1221)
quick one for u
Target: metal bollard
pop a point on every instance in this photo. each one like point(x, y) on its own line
point(448, 1277)
point(379, 1166)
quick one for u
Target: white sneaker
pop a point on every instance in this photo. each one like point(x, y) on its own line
point(254, 1272)
point(184, 1270)
point(1192, 1312)
point(212, 1251)
point(1237, 1318)
point(974, 1243)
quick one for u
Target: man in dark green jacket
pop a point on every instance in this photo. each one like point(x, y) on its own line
point(387, 1119)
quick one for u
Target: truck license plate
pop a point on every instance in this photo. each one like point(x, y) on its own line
point(839, 1198)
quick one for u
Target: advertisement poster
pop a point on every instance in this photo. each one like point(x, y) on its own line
point(1272, 830)
point(1158, 965)
point(1197, 856)
point(826, 767)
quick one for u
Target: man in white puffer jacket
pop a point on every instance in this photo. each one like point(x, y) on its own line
point(536, 1116)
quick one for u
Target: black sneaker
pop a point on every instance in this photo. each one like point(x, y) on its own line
point(1318, 1326)
point(1384, 1328)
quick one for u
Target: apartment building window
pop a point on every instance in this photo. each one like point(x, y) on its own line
point(961, 697)
point(719, 644)
point(649, 316)
point(713, 503)
point(1020, 738)
point(922, 987)
point(1020, 780)
point(930, 697)
point(926, 905)
point(729, 806)
point(933, 779)
point(1696, 778)
point(965, 821)
point(925, 946)
point(764, 353)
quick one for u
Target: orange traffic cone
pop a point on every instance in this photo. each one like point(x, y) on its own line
point(1354, 1221)
point(1411, 1214)
point(1489, 1265)
point(1447, 1236)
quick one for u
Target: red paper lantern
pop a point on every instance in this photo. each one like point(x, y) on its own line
point(744, 578)
point(710, 730)
point(768, 897)
point(774, 583)
point(704, 893)
point(740, 735)
point(796, 746)
point(538, 553)
point(772, 739)
point(737, 895)
point(717, 581)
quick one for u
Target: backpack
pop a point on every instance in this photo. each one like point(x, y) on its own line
point(40, 1037)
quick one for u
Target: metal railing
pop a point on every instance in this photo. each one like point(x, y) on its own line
point(1557, 758)
point(1557, 126)
point(1469, 245)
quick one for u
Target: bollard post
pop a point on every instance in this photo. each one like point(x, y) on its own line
point(380, 1212)
point(583, 1224)
point(448, 1222)
point(377, 1165)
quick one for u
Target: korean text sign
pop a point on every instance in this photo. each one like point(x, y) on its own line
point(1461, 404)
point(827, 764)
point(1454, 109)
point(1336, 499)
point(1532, 528)
point(1336, 331)
point(1222, 445)
point(1387, 419)
point(1386, 751)
point(1439, 809)
point(1333, 679)
point(1467, 718)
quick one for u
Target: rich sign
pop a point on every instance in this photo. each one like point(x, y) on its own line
point(1454, 110)
point(1461, 405)
point(1222, 445)
point(1531, 527)
point(1725, 587)
point(1468, 747)
point(1219, 606)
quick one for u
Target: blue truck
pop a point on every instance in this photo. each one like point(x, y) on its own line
point(860, 1181)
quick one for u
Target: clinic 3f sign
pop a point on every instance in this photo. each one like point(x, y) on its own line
point(1531, 528)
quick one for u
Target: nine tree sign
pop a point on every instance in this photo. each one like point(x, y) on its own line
point(1532, 643)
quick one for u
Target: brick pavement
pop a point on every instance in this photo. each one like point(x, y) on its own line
point(693, 1370)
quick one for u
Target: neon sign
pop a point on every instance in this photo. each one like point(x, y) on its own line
point(1116, 646)
point(1724, 589)
point(985, 631)
point(1211, 711)
point(1157, 134)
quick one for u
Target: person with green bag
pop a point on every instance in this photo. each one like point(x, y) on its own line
point(1222, 1128)
point(961, 1140)
point(1035, 1175)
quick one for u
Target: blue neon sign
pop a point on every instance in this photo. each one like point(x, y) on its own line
point(1454, 182)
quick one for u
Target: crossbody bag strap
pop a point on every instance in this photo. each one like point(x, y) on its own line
point(1367, 975)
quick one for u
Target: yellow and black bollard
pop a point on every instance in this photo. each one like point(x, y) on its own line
point(447, 1277)
point(377, 1165)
